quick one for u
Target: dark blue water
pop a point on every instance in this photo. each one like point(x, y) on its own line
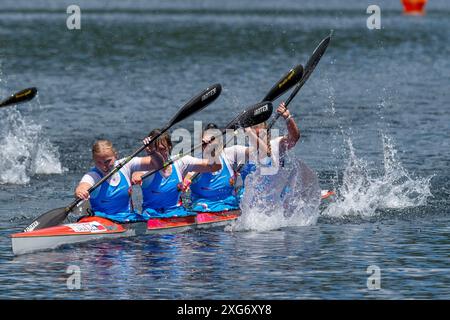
point(374, 118)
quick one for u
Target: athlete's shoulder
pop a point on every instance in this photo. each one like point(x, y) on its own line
point(91, 177)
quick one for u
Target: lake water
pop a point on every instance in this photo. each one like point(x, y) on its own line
point(374, 118)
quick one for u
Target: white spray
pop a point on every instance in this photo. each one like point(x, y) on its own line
point(24, 152)
point(365, 191)
point(289, 198)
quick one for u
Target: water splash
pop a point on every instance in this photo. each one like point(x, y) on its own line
point(24, 152)
point(364, 191)
point(289, 198)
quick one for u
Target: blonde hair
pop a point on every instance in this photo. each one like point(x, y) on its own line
point(102, 146)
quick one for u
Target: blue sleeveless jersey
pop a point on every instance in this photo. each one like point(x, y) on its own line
point(247, 169)
point(215, 191)
point(161, 196)
point(263, 182)
point(111, 199)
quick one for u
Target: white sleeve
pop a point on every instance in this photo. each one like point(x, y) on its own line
point(188, 164)
point(136, 164)
point(236, 154)
point(275, 141)
point(91, 178)
point(133, 165)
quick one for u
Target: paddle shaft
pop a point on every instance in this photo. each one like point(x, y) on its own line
point(223, 147)
point(284, 84)
point(253, 115)
point(286, 104)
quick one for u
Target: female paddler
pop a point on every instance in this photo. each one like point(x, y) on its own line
point(161, 191)
point(112, 199)
point(278, 146)
point(266, 182)
point(215, 192)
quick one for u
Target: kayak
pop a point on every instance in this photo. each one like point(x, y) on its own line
point(94, 228)
point(90, 228)
point(87, 229)
point(201, 220)
point(327, 194)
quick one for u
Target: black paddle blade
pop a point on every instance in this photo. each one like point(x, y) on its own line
point(285, 83)
point(197, 103)
point(21, 96)
point(315, 57)
point(309, 68)
point(252, 116)
point(49, 219)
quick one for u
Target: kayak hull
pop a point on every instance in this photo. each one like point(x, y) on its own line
point(97, 228)
point(199, 221)
point(170, 225)
point(32, 244)
point(87, 229)
point(216, 219)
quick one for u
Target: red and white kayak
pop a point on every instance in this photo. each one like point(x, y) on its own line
point(208, 219)
point(200, 220)
point(87, 229)
point(327, 194)
point(169, 225)
point(94, 228)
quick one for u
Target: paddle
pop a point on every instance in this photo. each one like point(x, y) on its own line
point(285, 83)
point(309, 68)
point(19, 97)
point(197, 103)
point(251, 116)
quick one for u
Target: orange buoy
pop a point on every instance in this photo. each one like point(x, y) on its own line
point(414, 6)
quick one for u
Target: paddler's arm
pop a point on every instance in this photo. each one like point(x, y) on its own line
point(136, 177)
point(187, 181)
point(81, 190)
point(290, 140)
point(152, 162)
point(86, 182)
point(197, 166)
point(205, 165)
point(188, 177)
point(211, 158)
point(194, 166)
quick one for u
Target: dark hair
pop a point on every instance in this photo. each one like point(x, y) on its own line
point(210, 126)
point(164, 139)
